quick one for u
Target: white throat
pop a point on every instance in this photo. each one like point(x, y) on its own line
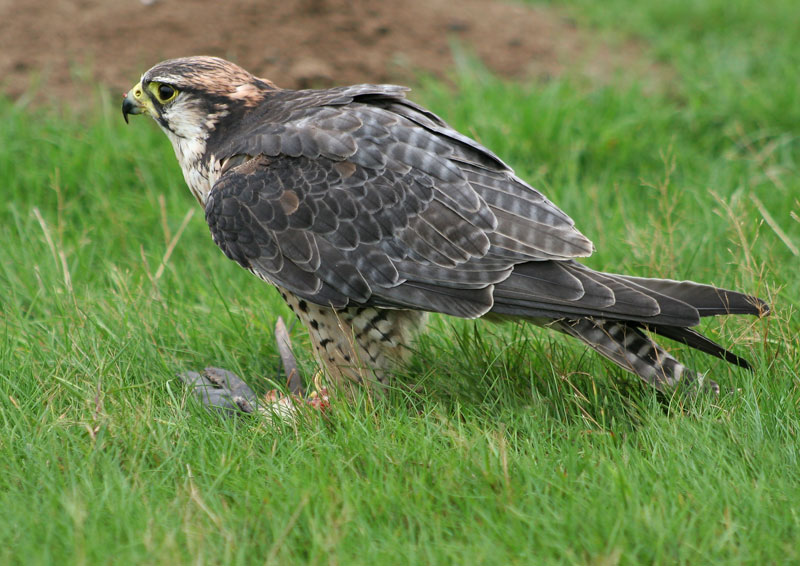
point(190, 152)
point(188, 131)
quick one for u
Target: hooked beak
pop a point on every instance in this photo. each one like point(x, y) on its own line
point(134, 102)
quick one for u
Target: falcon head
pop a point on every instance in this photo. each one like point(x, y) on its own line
point(189, 96)
point(193, 99)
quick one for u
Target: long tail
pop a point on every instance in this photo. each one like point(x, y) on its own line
point(610, 313)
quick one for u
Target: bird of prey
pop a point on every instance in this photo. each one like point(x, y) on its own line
point(368, 211)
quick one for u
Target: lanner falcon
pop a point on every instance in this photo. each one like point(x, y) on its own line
point(368, 211)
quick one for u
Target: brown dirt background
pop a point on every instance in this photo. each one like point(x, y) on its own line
point(51, 46)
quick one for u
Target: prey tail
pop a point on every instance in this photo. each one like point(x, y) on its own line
point(626, 345)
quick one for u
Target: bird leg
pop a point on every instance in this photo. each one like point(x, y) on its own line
point(223, 391)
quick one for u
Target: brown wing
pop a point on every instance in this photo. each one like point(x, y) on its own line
point(358, 203)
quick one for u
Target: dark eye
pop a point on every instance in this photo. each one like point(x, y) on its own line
point(166, 92)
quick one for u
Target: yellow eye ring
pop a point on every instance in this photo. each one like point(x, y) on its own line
point(163, 92)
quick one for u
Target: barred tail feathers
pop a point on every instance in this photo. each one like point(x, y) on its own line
point(631, 349)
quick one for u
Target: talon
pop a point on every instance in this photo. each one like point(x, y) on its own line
point(319, 400)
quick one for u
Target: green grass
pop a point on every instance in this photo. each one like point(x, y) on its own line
point(519, 447)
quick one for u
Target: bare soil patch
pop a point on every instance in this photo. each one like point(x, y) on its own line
point(47, 44)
